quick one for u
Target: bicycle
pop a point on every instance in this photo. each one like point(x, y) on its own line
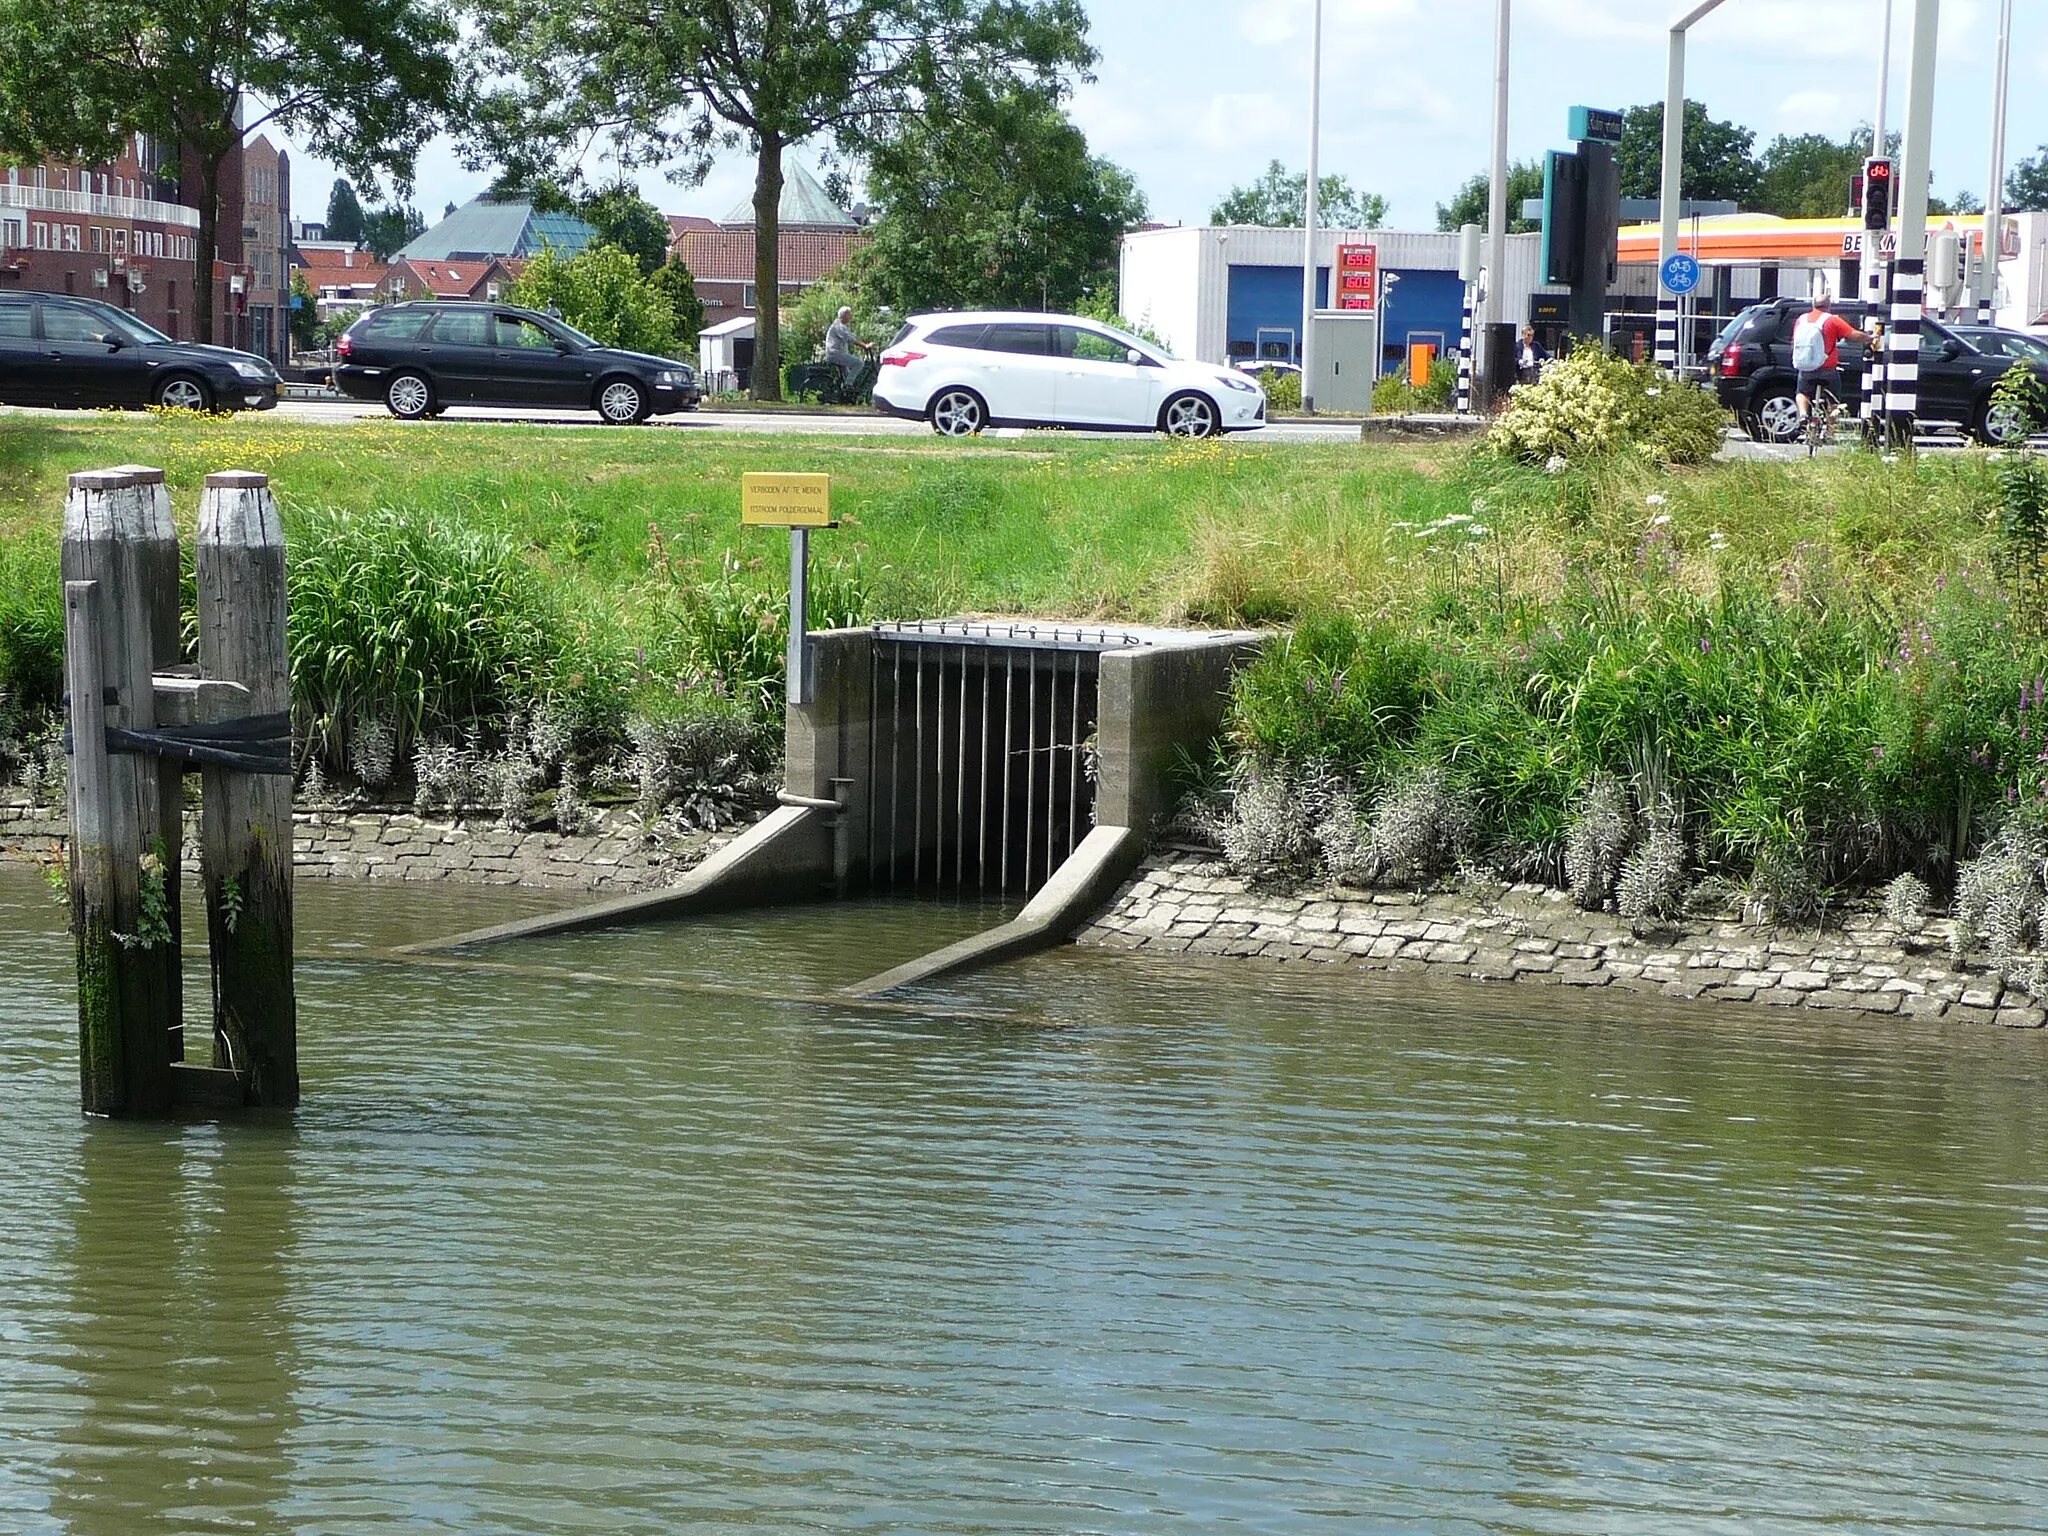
point(1825, 411)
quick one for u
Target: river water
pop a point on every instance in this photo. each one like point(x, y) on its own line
point(643, 1233)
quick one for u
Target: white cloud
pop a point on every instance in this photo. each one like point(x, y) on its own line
point(1813, 112)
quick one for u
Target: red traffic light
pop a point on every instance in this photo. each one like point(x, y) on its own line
point(1880, 170)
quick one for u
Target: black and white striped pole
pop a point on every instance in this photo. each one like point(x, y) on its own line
point(1909, 277)
point(1469, 238)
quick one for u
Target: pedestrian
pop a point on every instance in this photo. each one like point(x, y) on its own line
point(1530, 357)
point(843, 347)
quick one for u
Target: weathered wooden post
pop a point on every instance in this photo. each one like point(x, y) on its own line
point(122, 872)
point(246, 817)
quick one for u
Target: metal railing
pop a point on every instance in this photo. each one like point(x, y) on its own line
point(99, 205)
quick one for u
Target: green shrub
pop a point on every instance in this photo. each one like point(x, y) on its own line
point(410, 625)
point(1393, 395)
point(600, 291)
point(31, 624)
point(1282, 387)
point(1591, 405)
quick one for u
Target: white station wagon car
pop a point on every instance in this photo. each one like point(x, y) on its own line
point(963, 372)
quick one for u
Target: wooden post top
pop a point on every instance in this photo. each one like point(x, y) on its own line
point(237, 509)
point(120, 478)
point(237, 480)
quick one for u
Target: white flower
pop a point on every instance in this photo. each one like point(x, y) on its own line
point(1653, 500)
point(1555, 464)
point(1653, 392)
point(1890, 458)
point(1660, 519)
point(1717, 540)
point(1477, 530)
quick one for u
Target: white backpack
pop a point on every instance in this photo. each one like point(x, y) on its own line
point(1810, 344)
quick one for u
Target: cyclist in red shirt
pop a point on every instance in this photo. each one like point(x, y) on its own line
point(1814, 340)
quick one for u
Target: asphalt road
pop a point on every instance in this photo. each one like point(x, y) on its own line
point(331, 411)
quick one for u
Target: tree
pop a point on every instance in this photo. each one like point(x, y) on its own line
point(1809, 176)
point(306, 315)
point(676, 283)
point(676, 83)
point(622, 217)
point(344, 212)
point(997, 204)
point(1719, 162)
point(386, 230)
point(2026, 188)
point(1279, 200)
point(600, 291)
point(363, 84)
point(1468, 204)
point(1961, 205)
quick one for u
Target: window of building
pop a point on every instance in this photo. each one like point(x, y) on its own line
point(42, 176)
point(99, 239)
point(10, 233)
point(120, 242)
point(490, 293)
point(70, 237)
point(41, 235)
point(747, 295)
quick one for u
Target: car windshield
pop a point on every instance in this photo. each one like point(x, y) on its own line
point(130, 327)
point(573, 334)
point(2010, 344)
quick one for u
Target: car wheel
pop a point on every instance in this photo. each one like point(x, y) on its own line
point(409, 397)
point(2001, 425)
point(1777, 419)
point(958, 413)
point(182, 392)
point(1189, 416)
point(621, 402)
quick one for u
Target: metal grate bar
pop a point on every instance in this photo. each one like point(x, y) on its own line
point(981, 818)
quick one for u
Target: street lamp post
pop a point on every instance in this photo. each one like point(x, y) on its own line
point(1672, 190)
point(1994, 196)
point(1308, 229)
point(1496, 209)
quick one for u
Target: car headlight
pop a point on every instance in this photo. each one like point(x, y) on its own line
point(1238, 381)
point(669, 378)
point(252, 369)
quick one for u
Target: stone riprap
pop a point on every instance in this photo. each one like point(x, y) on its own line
point(1187, 903)
point(398, 845)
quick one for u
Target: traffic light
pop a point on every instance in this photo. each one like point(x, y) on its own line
point(1877, 194)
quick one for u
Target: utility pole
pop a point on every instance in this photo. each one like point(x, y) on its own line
point(1308, 228)
point(1994, 196)
point(1672, 190)
point(1909, 279)
point(1492, 353)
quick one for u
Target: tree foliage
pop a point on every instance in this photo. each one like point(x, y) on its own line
point(1719, 162)
point(622, 217)
point(1468, 203)
point(1279, 200)
point(362, 83)
point(305, 321)
point(997, 204)
point(600, 291)
point(386, 230)
point(677, 83)
point(676, 283)
point(344, 212)
point(2026, 187)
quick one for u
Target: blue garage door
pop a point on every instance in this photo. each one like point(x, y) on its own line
point(1423, 306)
point(1264, 313)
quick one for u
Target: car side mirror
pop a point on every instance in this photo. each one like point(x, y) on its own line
point(563, 348)
point(1133, 355)
point(114, 343)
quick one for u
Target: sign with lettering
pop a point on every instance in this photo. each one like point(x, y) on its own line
point(1595, 125)
point(1357, 277)
point(787, 501)
point(1887, 243)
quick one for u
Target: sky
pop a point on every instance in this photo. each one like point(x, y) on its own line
point(1196, 96)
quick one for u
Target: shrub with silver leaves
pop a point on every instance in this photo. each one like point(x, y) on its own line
point(1269, 832)
point(372, 750)
point(1999, 900)
point(1420, 827)
point(1653, 877)
point(1598, 841)
point(1906, 901)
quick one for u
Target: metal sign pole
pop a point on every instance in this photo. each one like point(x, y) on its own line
point(797, 682)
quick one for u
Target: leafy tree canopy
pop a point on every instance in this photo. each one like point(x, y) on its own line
point(600, 291)
point(1809, 175)
point(362, 83)
point(305, 322)
point(676, 283)
point(2026, 187)
point(619, 214)
point(677, 84)
point(996, 204)
point(344, 212)
point(1719, 161)
point(1468, 204)
point(385, 230)
point(1279, 200)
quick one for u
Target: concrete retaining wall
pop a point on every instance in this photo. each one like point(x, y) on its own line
point(1180, 903)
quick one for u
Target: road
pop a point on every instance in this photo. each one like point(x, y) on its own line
point(334, 411)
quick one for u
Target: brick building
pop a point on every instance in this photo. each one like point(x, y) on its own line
point(259, 312)
point(117, 231)
point(814, 237)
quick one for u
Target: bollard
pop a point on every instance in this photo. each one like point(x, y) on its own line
point(246, 818)
point(127, 949)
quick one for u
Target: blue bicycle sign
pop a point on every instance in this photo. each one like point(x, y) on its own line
point(1681, 273)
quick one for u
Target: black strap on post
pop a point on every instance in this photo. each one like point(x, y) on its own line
point(249, 744)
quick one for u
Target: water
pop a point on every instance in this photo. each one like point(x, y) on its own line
point(636, 1233)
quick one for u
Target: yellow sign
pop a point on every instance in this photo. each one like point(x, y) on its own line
point(787, 501)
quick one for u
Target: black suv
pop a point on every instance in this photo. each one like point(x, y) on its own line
point(421, 358)
point(1751, 364)
point(57, 350)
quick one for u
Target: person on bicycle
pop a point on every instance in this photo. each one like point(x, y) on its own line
point(1814, 340)
point(843, 347)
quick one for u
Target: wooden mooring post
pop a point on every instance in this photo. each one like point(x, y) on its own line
point(245, 819)
point(130, 702)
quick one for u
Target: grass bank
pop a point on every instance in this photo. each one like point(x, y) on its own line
point(1812, 672)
